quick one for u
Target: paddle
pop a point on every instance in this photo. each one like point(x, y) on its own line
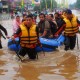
point(17, 52)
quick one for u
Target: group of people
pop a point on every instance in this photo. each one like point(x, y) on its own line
point(65, 23)
point(50, 26)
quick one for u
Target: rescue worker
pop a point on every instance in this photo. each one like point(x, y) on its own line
point(28, 34)
point(1, 35)
point(24, 18)
point(69, 30)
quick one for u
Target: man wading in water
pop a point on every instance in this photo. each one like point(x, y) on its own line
point(28, 34)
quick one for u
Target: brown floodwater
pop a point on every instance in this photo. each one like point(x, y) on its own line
point(53, 66)
point(57, 65)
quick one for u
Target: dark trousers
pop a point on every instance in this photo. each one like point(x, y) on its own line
point(30, 51)
point(70, 42)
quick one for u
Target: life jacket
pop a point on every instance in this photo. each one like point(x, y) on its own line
point(71, 26)
point(28, 37)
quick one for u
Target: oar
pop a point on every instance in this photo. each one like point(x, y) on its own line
point(17, 52)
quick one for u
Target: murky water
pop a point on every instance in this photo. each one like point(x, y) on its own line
point(57, 65)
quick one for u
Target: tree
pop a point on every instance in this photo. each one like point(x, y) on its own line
point(78, 4)
point(46, 4)
point(72, 6)
point(37, 8)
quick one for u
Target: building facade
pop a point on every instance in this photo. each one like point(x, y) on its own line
point(4, 6)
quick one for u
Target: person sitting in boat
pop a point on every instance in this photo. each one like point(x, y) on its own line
point(24, 17)
point(34, 19)
point(44, 27)
point(28, 34)
point(46, 16)
point(56, 18)
point(53, 25)
point(61, 25)
point(1, 34)
point(16, 23)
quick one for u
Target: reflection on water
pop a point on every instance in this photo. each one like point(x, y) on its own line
point(53, 66)
point(67, 67)
point(52, 77)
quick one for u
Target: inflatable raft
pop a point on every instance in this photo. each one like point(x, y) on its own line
point(47, 44)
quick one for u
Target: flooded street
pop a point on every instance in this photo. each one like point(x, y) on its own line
point(57, 65)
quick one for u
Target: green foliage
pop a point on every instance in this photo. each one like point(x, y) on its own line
point(78, 4)
point(46, 4)
point(36, 8)
point(72, 6)
point(33, 5)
